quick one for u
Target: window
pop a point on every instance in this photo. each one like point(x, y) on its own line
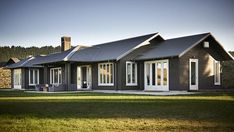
point(17, 76)
point(55, 75)
point(217, 73)
point(105, 74)
point(131, 73)
point(33, 76)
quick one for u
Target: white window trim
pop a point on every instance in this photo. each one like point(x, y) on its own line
point(131, 84)
point(156, 87)
point(57, 68)
point(105, 84)
point(33, 76)
point(193, 87)
point(219, 78)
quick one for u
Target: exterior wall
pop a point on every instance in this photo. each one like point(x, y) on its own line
point(94, 67)
point(74, 73)
point(24, 79)
point(174, 74)
point(140, 70)
point(205, 67)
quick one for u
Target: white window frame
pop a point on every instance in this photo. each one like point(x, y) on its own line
point(33, 76)
point(217, 74)
point(99, 79)
point(193, 87)
point(131, 63)
point(53, 69)
point(156, 87)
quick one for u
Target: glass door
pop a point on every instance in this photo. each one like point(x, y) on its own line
point(193, 74)
point(84, 77)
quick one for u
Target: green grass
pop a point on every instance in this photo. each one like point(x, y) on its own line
point(20, 111)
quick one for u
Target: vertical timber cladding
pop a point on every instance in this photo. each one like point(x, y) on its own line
point(205, 68)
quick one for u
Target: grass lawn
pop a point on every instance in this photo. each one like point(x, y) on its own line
point(20, 111)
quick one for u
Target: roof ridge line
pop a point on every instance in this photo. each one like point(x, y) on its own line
point(67, 57)
point(27, 61)
point(139, 45)
point(123, 39)
point(189, 36)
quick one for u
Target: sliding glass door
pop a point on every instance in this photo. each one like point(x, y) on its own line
point(156, 75)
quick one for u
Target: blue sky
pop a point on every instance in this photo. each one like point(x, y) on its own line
point(43, 22)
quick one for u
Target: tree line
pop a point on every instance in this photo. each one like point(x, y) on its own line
point(6, 52)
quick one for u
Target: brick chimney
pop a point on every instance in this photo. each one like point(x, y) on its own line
point(65, 43)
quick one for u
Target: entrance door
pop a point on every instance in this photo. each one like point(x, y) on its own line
point(84, 77)
point(17, 78)
point(193, 74)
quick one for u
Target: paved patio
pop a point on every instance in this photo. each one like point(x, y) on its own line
point(140, 92)
point(137, 92)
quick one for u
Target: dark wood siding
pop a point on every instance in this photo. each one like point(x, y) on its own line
point(205, 67)
point(174, 74)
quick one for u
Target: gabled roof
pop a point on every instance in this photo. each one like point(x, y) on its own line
point(28, 62)
point(60, 56)
point(173, 47)
point(51, 58)
point(118, 49)
point(54, 57)
point(112, 50)
point(14, 59)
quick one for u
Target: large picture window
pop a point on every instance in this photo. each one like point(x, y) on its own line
point(33, 76)
point(131, 73)
point(105, 74)
point(55, 75)
point(217, 72)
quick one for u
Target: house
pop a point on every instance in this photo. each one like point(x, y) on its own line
point(147, 62)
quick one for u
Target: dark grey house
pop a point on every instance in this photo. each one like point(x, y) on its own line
point(147, 62)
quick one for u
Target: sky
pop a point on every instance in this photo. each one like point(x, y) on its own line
point(43, 22)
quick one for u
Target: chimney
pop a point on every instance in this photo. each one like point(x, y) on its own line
point(65, 43)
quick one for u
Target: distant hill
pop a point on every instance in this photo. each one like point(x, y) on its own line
point(7, 52)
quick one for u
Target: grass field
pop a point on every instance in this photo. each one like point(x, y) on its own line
point(20, 111)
